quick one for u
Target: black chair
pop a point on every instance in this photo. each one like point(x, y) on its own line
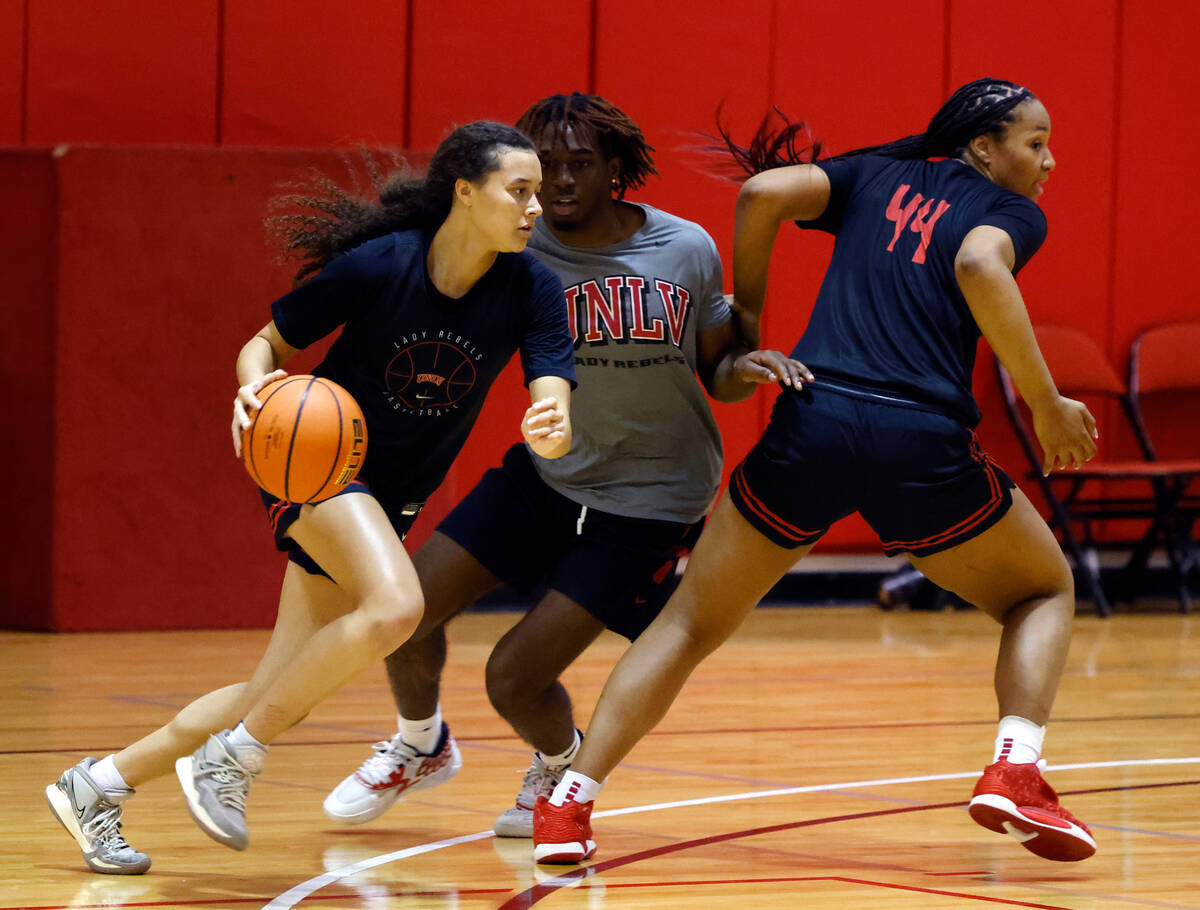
point(1143, 489)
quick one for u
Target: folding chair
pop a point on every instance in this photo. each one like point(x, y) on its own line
point(1081, 498)
point(1163, 364)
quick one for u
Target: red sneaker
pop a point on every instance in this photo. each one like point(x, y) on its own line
point(562, 834)
point(1016, 800)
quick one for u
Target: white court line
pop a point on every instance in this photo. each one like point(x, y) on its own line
point(293, 896)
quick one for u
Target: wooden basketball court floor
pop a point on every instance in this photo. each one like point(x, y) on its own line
point(821, 759)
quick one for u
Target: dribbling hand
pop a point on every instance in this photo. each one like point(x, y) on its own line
point(544, 427)
point(771, 366)
point(247, 401)
point(1067, 432)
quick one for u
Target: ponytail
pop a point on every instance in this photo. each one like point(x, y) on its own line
point(337, 220)
point(981, 107)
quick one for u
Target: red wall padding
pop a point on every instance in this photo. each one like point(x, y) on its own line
point(135, 72)
point(29, 436)
point(12, 71)
point(161, 272)
point(313, 73)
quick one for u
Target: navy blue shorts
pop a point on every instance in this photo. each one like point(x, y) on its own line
point(918, 477)
point(283, 514)
point(619, 569)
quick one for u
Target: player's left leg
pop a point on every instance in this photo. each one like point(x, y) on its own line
point(523, 685)
point(1015, 571)
point(729, 572)
point(352, 540)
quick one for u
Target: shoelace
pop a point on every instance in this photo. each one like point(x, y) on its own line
point(389, 756)
point(233, 781)
point(540, 780)
point(105, 827)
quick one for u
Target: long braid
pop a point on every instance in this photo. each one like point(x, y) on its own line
point(979, 107)
point(333, 220)
point(619, 136)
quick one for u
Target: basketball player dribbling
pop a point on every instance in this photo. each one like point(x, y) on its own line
point(594, 535)
point(930, 230)
point(433, 294)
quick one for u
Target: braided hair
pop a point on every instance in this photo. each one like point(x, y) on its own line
point(335, 220)
point(981, 107)
point(607, 124)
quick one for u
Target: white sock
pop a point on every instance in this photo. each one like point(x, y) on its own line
point(565, 757)
point(239, 737)
point(250, 753)
point(1018, 740)
point(577, 787)
point(109, 779)
point(422, 735)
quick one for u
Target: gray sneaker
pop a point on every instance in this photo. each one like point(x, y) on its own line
point(94, 821)
point(216, 780)
point(540, 780)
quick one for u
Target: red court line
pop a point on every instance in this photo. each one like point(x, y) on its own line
point(538, 892)
point(534, 897)
point(829, 878)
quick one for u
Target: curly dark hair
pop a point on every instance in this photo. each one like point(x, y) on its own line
point(616, 132)
point(334, 219)
point(981, 107)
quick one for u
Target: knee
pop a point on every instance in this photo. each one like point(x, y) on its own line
point(1049, 588)
point(699, 632)
point(506, 686)
point(391, 617)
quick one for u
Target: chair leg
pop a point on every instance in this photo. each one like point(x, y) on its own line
point(1088, 562)
point(1180, 558)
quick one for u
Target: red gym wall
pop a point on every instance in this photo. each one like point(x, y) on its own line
point(141, 142)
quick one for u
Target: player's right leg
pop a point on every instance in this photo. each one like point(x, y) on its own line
point(452, 580)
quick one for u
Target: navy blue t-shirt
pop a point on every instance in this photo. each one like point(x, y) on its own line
point(419, 363)
point(890, 314)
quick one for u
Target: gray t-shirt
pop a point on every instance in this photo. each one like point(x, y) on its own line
point(645, 443)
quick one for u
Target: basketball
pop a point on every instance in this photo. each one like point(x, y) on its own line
point(307, 441)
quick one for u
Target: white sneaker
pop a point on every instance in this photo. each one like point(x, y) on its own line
point(216, 783)
point(540, 780)
point(394, 769)
point(85, 810)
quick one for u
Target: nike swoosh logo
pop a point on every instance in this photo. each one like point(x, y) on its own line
point(80, 811)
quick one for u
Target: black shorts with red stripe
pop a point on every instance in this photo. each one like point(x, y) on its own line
point(916, 475)
point(282, 514)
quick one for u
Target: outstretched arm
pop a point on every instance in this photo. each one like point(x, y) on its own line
point(1064, 427)
point(731, 371)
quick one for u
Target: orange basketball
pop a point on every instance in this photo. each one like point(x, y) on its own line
point(307, 441)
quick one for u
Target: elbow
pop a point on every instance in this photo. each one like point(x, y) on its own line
point(979, 264)
point(729, 392)
point(754, 194)
point(971, 265)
